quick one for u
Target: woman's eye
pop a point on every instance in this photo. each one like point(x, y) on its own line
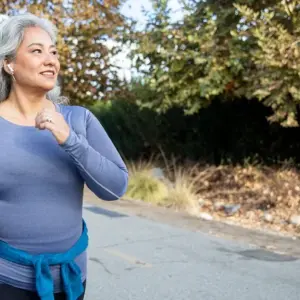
point(37, 50)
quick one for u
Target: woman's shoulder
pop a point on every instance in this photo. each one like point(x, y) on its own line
point(75, 110)
point(72, 108)
point(77, 116)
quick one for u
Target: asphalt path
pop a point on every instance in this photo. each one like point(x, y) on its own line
point(133, 257)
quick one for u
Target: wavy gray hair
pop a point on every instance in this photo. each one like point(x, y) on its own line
point(11, 36)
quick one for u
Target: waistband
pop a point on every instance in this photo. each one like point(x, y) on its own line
point(70, 272)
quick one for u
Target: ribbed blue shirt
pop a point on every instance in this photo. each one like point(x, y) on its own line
point(41, 188)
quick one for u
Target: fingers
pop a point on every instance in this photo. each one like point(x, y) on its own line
point(45, 125)
point(45, 116)
point(42, 122)
point(54, 122)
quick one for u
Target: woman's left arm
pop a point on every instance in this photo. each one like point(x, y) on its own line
point(98, 160)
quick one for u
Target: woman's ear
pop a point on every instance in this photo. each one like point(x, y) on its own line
point(8, 68)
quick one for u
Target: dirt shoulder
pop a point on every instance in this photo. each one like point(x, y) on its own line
point(282, 243)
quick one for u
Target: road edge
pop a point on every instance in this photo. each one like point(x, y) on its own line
point(270, 241)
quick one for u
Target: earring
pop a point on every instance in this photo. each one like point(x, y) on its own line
point(10, 68)
point(12, 71)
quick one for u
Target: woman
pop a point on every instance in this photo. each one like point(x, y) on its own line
point(48, 151)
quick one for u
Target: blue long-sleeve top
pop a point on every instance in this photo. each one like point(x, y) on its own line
point(42, 183)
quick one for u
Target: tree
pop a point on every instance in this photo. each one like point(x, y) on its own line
point(223, 49)
point(274, 36)
point(188, 61)
point(85, 28)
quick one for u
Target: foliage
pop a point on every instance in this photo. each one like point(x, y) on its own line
point(134, 131)
point(274, 36)
point(84, 28)
point(222, 49)
point(225, 132)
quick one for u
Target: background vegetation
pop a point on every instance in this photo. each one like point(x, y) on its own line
point(218, 90)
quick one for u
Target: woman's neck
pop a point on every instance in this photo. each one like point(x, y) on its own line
point(27, 106)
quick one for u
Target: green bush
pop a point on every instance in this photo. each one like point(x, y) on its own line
point(224, 132)
point(134, 132)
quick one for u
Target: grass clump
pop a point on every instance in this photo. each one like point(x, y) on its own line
point(143, 185)
point(182, 193)
point(175, 188)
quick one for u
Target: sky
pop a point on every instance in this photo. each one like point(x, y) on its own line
point(133, 8)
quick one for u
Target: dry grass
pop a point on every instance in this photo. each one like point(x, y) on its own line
point(182, 193)
point(195, 188)
point(143, 185)
point(176, 190)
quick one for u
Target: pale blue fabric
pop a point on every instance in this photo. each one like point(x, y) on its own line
point(41, 189)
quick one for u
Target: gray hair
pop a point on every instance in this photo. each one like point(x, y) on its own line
point(11, 36)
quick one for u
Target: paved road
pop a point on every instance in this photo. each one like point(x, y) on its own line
point(132, 258)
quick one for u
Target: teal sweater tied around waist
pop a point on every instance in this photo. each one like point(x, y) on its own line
point(70, 272)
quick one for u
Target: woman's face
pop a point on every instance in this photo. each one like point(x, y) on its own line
point(36, 65)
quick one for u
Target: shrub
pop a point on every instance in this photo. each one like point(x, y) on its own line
point(225, 132)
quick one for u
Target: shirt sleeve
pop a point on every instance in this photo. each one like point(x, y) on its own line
point(98, 160)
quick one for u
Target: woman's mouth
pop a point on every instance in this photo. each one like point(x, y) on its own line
point(48, 74)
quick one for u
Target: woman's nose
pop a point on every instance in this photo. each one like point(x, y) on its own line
point(50, 59)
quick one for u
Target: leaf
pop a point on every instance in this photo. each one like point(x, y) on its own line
point(86, 68)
